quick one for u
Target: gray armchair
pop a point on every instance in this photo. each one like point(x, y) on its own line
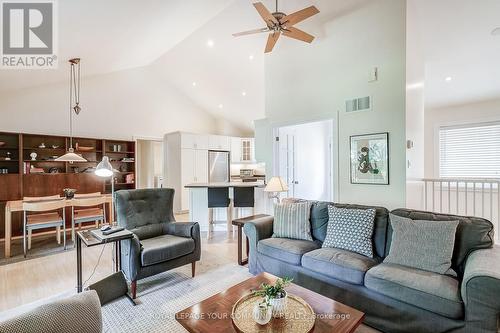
point(160, 243)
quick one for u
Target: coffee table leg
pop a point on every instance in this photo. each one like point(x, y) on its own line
point(78, 264)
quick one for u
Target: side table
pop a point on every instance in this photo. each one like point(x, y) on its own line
point(89, 239)
point(240, 223)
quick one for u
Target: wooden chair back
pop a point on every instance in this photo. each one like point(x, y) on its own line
point(88, 201)
point(46, 198)
point(43, 206)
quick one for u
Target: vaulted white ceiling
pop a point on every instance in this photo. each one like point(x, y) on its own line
point(457, 43)
point(112, 35)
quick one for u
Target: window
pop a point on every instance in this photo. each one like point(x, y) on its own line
point(470, 151)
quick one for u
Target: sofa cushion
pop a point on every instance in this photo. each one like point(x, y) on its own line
point(350, 229)
point(285, 249)
point(427, 290)
point(413, 241)
point(164, 248)
point(473, 233)
point(339, 264)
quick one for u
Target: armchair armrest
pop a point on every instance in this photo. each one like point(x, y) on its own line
point(481, 289)
point(255, 230)
point(131, 257)
point(182, 229)
point(186, 229)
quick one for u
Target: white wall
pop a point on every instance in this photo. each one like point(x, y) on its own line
point(453, 115)
point(307, 82)
point(120, 105)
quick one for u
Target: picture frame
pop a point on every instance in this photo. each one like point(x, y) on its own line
point(369, 159)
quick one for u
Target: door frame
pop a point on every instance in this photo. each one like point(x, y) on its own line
point(334, 149)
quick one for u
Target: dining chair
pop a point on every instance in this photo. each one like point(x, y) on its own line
point(45, 216)
point(87, 207)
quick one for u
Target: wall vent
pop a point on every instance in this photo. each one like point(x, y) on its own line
point(358, 104)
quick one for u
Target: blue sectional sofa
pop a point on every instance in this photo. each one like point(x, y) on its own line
point(395, 298)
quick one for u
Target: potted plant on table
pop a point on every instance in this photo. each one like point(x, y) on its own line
point(275, 295)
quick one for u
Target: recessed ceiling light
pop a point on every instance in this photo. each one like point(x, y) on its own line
point(210, 43)
point(221, 106)
point(250, 57)
point(194, 84)
point(496, 32)
point(243, 93)
point(448, 79)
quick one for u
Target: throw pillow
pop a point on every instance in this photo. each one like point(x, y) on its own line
point(350, 229)
point(421, 244)
point(291, 220)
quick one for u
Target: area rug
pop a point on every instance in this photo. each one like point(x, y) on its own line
point(162, 296)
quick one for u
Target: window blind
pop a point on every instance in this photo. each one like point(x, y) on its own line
point(470, 151)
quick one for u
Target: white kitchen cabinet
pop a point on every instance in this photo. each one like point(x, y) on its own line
point(194, 141)
point(242, 150)
point(235, 150)
point(201, 166)
point(194, 169)
point(219, 142)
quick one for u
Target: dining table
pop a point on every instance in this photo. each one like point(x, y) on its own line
point(17, 206)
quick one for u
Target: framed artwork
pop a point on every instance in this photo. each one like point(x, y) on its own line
point(370, 159)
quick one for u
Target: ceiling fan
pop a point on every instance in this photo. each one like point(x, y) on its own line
point(278, 23)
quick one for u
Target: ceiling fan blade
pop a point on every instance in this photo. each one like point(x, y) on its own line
point(299, 16)
point(250, 32)
point(293, 32)
point(265, 14)
point(271, 41)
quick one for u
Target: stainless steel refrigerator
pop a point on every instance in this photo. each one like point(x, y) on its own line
point(218, 166)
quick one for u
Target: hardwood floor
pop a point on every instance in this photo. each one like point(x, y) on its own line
point(31, 280)
point(27, 281)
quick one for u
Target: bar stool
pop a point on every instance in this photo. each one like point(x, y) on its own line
point(43, 220)
point(218, 197)
point(243, 197)
point(88, 207)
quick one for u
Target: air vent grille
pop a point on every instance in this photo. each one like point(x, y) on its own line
point(358, 104)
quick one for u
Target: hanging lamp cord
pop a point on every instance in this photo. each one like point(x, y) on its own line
point(71, 74)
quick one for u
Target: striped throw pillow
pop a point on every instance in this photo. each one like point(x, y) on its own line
point(291, 220)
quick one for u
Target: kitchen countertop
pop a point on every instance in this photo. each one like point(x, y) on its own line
point(230, 184)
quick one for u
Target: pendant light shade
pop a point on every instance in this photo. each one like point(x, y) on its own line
point(104, 168)
point(74, 97)
point(70, 156)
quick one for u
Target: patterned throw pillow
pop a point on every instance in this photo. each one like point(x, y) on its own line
point(291, 220)
point(421, 244)
point(350, 229)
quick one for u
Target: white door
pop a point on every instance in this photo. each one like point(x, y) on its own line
point(305, 160)
point(286, 146)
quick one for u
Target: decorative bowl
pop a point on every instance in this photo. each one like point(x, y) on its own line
point(69, 193)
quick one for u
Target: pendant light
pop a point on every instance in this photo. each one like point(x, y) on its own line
point(74, 96)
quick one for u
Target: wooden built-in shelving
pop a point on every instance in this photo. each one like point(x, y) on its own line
point(19, 182)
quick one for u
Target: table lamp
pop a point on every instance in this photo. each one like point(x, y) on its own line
point(275, 186)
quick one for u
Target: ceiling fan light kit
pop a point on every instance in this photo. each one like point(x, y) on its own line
point(279, 23)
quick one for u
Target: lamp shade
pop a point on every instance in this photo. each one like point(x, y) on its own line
point(276, 184)
point(70, 156)
point(104, 168)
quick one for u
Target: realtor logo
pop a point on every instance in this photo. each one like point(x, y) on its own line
point(28, 34)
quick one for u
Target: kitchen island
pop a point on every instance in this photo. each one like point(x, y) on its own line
point(198, 203)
